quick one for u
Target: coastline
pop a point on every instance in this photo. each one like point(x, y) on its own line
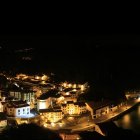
point(118, 113)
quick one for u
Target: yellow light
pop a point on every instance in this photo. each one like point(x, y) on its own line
point(67, 93)
point(126, 118)
point(64, 84)
point(60, 124)
point(61, 98)
point(53, 124)
point(74, 90)
point(42, 117)
point(37, 77)
point(74, 86)
point(44, 77)
point(70, 85)
point(70, 118)
point(82, 87)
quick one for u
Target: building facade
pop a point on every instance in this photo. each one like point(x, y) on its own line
point(25, 95)
point(18, 109)
point(71, 108)
point(51, 115)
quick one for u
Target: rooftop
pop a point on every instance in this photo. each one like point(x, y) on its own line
point(17, 104)
point(51, 93)
point(49, 110)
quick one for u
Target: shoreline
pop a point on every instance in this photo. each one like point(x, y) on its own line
point(125, 112)
point(120, 114)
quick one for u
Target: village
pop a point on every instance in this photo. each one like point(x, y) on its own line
point(57, 106)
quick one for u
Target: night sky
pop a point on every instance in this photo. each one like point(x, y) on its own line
point(106, 60)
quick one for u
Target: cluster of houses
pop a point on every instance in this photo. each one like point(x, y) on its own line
point(52, 103)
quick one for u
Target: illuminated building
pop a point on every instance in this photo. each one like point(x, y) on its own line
point(21, 76)
point(43, 103)
point(98, 108)
point(46, 99)
point(25, 95)
point(69, 98)
point(72, 108)
point(51, 115)
point(17, 109)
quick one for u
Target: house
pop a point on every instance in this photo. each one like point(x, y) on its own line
point(71, 108)
point(18, 109)
point(51, 115)
point(46, 99)
point(3, 120)
point(43, 103)
point(98, 108)
point(23, 94)
point(69, 98)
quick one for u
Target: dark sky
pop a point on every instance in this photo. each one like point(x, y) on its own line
point(102, 58)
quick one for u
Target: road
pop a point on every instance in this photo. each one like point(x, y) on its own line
point(86, 123)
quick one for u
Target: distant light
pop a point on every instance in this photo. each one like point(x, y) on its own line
point(67, 93)
point(60, 124)
point(64, 84)
point(70, 85)
point(53, 124)
point(74, 90)
point(82, 87)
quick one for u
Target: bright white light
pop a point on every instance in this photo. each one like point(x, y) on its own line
point(27, 116)
point(53, 124)
point(16, 84)
point(67, 93)
point(74, 90)
point(45, 125)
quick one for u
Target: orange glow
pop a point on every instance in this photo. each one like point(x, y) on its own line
point(37, 77)
point(126, 118)
point(44, 77)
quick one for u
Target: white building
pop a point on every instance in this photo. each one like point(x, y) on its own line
point(43, 103)
point(46, 99)
point(18, 109)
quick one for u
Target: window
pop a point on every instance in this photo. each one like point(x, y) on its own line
point(23, 111)
point(18, 110)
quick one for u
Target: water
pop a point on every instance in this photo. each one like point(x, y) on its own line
point(130, 120)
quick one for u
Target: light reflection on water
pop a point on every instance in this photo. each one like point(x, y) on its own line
point(130, 120)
